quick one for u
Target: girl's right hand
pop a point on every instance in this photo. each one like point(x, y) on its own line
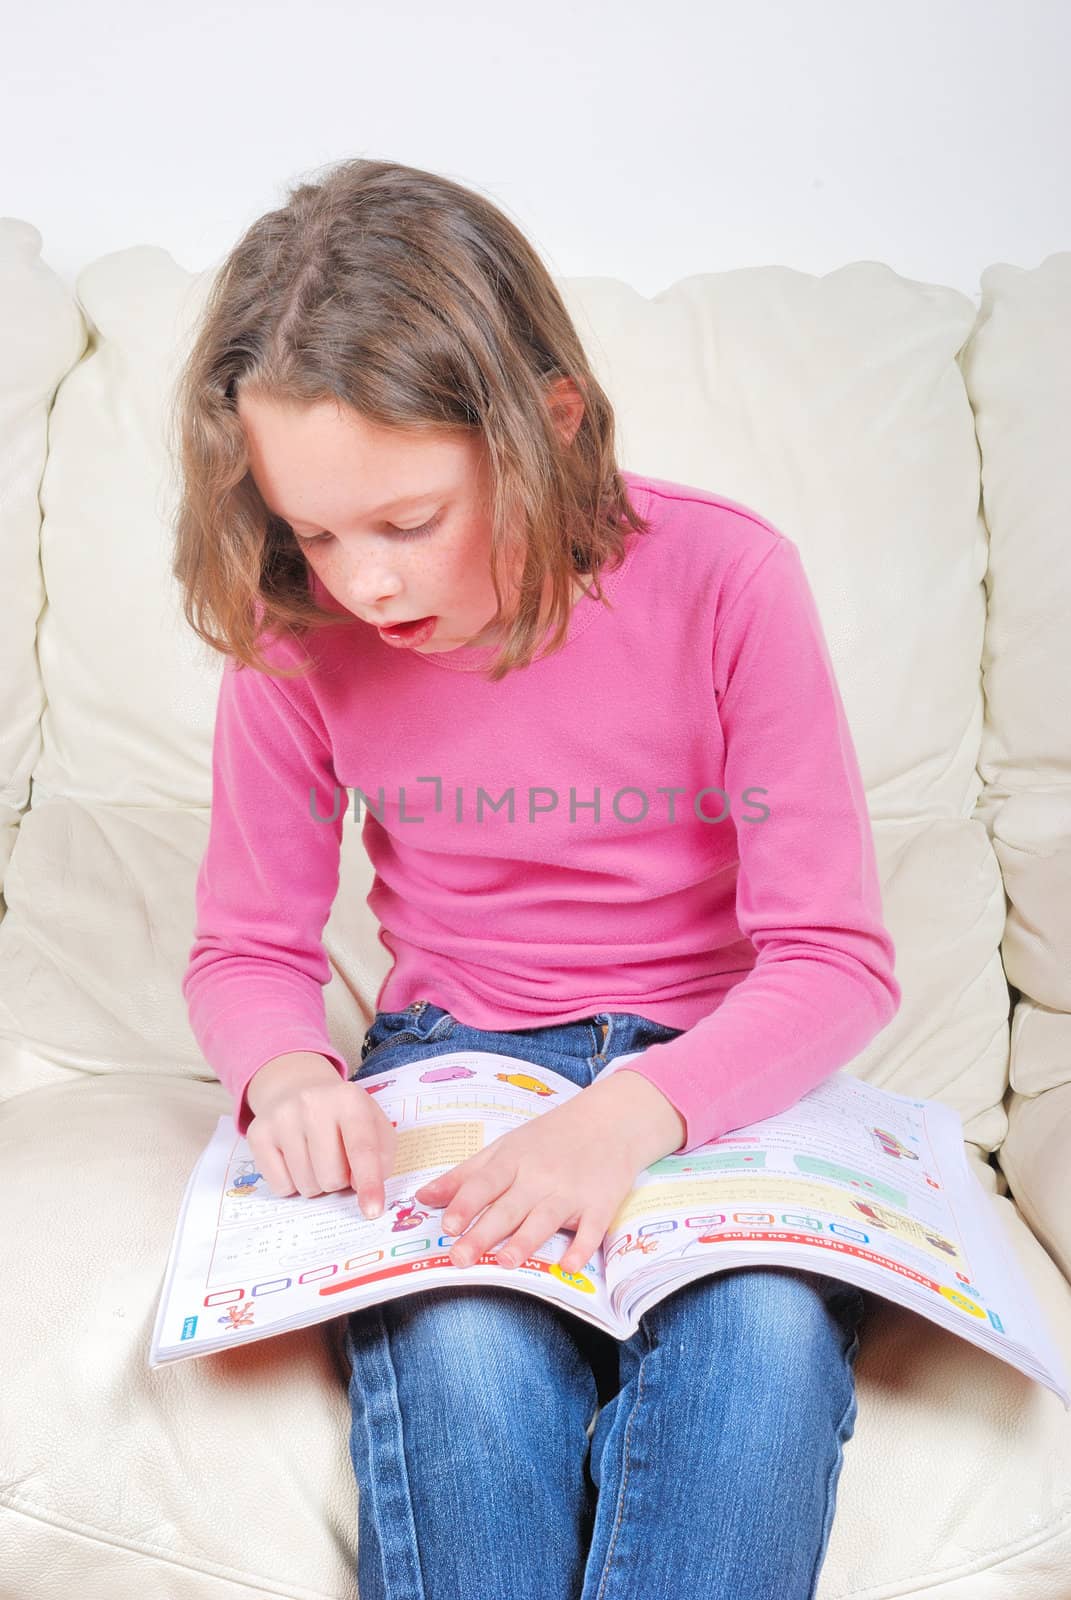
point(312, 1133)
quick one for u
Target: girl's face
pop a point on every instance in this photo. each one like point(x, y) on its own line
point(395, 524)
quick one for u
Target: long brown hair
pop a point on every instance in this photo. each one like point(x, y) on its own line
point(417, 303)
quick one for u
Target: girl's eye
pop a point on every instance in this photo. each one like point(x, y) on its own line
point(403, 533)
point(416, 533)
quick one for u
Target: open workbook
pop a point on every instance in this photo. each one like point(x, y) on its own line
point(853, 1181)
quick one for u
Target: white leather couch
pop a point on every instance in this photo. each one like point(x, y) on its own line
point(916, 447)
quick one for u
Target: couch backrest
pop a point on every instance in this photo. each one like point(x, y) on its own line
point(836, 406)
point(1018, 370)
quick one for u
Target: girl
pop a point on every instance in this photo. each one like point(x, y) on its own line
point(548, 681)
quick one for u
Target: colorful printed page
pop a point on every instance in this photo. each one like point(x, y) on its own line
point(245, 1264)
point(853, 1181)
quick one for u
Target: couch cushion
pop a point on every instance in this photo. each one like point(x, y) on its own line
point(1017, 365)
point(229, 1473)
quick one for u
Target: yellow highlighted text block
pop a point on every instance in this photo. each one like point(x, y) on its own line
point(436, 1144)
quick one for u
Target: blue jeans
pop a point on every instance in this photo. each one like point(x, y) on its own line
point(505, 1450)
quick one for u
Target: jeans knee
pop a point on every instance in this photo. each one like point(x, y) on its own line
point(473, 1348)
point(774, 1318)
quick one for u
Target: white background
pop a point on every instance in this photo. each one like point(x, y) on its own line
point(643, 141)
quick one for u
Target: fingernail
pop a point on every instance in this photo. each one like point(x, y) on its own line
point(374, 1210)
point(450, 1224)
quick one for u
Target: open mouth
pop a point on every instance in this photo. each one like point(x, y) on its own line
point(414, 632)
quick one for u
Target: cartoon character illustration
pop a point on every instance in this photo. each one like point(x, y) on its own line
point(246, 1177)
point(645, 1245)
point(238, 1316)
point(870, 1214)
point(524, 1080)
point(444, 1074)
point(407, 1215)
point(892, 1146)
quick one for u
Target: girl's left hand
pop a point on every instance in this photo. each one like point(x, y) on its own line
point(569, 1168)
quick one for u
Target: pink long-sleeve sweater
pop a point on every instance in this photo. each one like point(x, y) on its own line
point(664, 817)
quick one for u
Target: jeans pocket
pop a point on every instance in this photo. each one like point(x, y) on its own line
point(415, 1024)
point(647, 1033)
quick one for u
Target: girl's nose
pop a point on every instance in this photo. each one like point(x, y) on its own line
point(373, 590)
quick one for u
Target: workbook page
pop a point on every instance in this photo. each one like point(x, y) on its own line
point(245, 1261)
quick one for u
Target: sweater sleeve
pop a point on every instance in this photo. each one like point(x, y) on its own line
point(807, 890)
point(257, 968)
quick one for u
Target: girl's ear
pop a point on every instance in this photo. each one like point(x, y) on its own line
point(567, 407)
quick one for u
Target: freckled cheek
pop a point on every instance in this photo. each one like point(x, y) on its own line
point(446, 575)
